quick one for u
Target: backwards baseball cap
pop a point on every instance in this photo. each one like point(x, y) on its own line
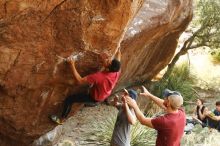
point(175, 98)
point(133, 94)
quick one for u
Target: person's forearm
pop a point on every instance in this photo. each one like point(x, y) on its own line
point(140, 116)
point(75, 73)
point(130, 116)
point(216, 118)
point(118, 55)
point(157, 100)
point(116, 104)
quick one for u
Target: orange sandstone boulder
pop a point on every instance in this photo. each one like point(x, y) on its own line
point(35, 36)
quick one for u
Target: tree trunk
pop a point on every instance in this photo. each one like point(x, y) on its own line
point(183, 51)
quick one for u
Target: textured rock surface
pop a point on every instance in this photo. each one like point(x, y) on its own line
point(36, 34)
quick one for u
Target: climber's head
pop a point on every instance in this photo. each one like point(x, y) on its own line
point(114, 65)
point(111, 65)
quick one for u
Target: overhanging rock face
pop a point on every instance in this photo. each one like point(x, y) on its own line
point(35, 36)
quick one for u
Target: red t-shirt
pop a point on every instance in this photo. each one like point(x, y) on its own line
point(170, 128)
point(102, 84)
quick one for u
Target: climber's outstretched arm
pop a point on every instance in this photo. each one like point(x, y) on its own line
point(118, 55)
point(77, 76)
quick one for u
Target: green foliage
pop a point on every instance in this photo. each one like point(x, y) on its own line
point(180, 80)
point(203, 32)
point(102, 133)
point(215, 56)
point(206, 24)
point(142, 135)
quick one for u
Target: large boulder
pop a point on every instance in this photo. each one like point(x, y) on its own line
point(35, 36)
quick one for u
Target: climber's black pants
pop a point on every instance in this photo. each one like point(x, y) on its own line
point(75, 98)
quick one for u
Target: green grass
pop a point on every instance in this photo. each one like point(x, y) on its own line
point(142, 135)
point(215, 56)
point(180, 80)
point(102, 130)
point(101, 133)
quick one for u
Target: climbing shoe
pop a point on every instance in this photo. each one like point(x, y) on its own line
point(56, 119)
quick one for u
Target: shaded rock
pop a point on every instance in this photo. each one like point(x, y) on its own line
point(49, 138)
point(36, 35)
point(152, 36)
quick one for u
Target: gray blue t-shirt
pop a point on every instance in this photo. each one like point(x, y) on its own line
point(121, 133)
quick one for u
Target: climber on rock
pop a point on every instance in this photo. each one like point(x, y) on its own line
point(102, 84)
